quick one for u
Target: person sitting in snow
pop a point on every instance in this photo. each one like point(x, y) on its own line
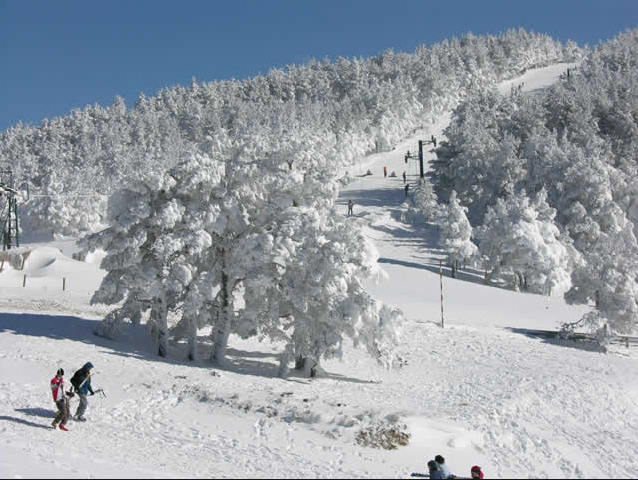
point(81, 381)
point(476, 472)
point(435, 473)
point(440, 461)
point(57, 389)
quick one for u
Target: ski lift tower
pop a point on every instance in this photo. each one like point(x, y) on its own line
point(9, 225)
point(419, 157)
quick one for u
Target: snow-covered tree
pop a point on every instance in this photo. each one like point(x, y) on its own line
point(318, 299)
point(207, 237)
point(425, 201)
point(519, 235)
point(456, 234)
point(608, 277)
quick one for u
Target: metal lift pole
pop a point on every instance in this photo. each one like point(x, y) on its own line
point(421, 158)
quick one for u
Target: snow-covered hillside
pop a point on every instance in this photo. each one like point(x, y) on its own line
point(479, 392)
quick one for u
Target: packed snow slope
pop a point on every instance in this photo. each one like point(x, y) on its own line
point(478, 392)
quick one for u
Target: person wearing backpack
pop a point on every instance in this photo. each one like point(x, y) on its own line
point(57, 389)
point(435, 473)
point(440, 461)
point(81, 382)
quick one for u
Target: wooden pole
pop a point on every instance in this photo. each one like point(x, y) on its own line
point(441, 276)
point(24, 281)
point(63, 284)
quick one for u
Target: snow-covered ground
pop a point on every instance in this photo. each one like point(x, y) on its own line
point(478, 392)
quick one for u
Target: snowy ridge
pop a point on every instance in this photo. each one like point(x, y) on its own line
point(476, 392)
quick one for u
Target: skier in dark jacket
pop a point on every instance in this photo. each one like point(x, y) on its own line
point(435, 473)
point(81, 381)
point(440, 461)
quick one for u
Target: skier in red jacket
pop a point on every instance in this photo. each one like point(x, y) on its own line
point(57, 389)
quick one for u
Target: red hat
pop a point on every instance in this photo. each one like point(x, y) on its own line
point(477, 469)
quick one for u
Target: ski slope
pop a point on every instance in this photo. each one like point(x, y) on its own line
point(478, 392)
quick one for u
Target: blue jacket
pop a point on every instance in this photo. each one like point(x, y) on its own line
point(444, 471)
point(436, 474)
point(86, 388)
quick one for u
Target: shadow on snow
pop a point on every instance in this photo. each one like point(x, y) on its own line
point(555, 340)
point(135, 343)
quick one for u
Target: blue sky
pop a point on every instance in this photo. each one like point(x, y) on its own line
point(61, 55)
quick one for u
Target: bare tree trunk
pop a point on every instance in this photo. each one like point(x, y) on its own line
point(192, 339)
point(159, 315)
point(285, 358)
point(221, 332)
point(597, 298)
point(300, 362)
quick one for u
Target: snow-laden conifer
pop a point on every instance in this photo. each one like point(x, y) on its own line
point(318, 298)
point(519, 236)
point(456, 234)
point(425, 202)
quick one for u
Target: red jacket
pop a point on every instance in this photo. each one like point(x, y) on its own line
point(57, 388)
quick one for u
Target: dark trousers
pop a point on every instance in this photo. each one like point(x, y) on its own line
point(63, 414)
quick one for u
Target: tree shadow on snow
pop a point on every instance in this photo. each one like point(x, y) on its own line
point(343, 378)
point(554, 339)
point(134, 343)
point(393, 195)
point(4, 418)
point(256, 364)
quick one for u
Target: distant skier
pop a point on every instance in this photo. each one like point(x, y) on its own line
point(81, 381)
point(405, 177)
point(435, 473)
point(350, 207)
point(476, 472)
point(406, 188)
point(385, 172)
point(57, 389)
point(440, 461)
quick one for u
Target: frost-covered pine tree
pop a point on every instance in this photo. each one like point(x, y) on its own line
point(425, 201)
point(456, 234)
point(204, 237)
point(607, 277)
point(318, 298)
point(146, 256)
point(519, 235)
point(190, 238)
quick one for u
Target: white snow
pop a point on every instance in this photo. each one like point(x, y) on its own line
point(478, 392)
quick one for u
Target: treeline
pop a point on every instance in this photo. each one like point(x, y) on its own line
point(545, 187)
point(338, 111)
